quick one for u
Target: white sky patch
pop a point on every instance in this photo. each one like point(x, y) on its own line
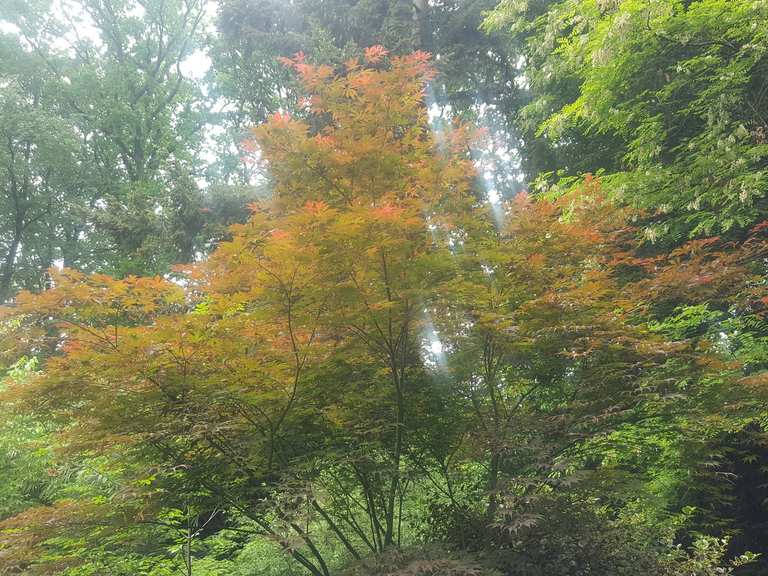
point(433, 349)
point(8, 27)
point(434, 112)
point(196, 65)
point(493, 195)
point(81, 27)
point(136, 11)
point(521, 80)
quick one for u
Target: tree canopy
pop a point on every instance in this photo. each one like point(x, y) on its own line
point(394, 288)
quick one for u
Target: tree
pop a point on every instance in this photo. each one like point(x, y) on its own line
point(378, 358)
point(38, 171)
point(664, 99)
point(335, 266)
point(671, 94)
point(137, 120)
point(478, 77)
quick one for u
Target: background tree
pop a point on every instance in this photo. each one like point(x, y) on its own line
point(671, 95)
point(478, 74)
point(38, 171)
point(121, 84)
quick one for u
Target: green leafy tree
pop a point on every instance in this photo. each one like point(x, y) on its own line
point(118, 67)
point(667, 98)
point(39, 175)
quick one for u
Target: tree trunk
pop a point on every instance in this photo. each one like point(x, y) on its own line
point(9, 267)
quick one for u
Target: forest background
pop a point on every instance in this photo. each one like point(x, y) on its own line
point(384, 287)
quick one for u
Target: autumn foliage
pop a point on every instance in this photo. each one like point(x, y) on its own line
point(289, 377)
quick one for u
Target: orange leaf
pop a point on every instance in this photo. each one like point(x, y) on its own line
point(374, 54)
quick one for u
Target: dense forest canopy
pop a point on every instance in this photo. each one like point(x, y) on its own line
point(394, 287)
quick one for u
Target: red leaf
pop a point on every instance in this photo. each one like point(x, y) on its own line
point(374, 54)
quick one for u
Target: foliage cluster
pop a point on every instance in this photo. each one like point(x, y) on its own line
point(380, 371)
